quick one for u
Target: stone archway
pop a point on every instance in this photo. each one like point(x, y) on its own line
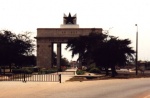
point(47, 36)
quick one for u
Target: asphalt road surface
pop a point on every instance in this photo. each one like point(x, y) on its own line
point(117, 88)
point(130, 88)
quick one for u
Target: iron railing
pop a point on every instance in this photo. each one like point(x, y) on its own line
point(31, 77)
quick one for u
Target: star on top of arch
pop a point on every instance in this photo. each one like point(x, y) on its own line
point(69, 19)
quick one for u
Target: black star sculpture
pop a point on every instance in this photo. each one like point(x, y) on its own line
point(69, 19)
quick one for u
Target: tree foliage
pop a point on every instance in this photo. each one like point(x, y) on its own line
point(64, 61)
point(84, 46)
point(101, 49)
point(14, 49)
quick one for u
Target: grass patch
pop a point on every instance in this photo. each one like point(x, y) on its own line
point(103, 77)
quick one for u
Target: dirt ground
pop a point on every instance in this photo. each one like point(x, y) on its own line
point(48, 89)
point(61, 90)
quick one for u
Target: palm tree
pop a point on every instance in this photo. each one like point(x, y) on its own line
point(114, 52)
point(84, 46)
point(121, 53)
point(103, 50)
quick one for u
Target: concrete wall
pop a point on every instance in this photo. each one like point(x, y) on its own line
point(64, 32)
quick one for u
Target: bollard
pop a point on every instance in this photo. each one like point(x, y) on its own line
point(59, 78)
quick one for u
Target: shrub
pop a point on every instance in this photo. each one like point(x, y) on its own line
point(63, 68)
point(42, 71)
point(17, 71)
point(51, 71)
point(94, 70)
point(27, 70)
point(80, 72)
point(47, 71)
point(90, 67)
point(36, 69)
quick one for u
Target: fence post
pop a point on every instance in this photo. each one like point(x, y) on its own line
point(59, 78)
point(24, 77)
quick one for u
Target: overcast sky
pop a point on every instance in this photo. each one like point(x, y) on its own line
point(117, 16)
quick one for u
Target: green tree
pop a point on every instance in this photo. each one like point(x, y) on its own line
point(84, 46)
point(14, 48)
point(101, 49)
point(114, 52)
point(64, 61)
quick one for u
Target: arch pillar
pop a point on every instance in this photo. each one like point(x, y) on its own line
point(44, 54)
point(59, 55)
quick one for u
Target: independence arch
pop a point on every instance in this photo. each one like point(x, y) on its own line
point(47, 36)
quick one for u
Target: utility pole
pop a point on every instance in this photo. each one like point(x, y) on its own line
point(136, 59)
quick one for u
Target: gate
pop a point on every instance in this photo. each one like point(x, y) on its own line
point(31, 77)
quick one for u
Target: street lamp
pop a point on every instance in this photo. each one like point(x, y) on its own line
point(136, 59)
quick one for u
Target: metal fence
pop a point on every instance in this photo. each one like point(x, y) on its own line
point(31, 77)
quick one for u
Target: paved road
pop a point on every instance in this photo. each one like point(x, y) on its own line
point(124, 88)
point(132, 88)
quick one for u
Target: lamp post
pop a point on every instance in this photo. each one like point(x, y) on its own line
point(136, 59)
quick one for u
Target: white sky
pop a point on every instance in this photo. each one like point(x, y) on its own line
point(28, 15)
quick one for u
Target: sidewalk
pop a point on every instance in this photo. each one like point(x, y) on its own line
point(68, 74)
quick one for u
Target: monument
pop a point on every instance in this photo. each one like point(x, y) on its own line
point(46, 37)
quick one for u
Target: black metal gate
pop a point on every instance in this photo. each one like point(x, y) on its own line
point(31, 77)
